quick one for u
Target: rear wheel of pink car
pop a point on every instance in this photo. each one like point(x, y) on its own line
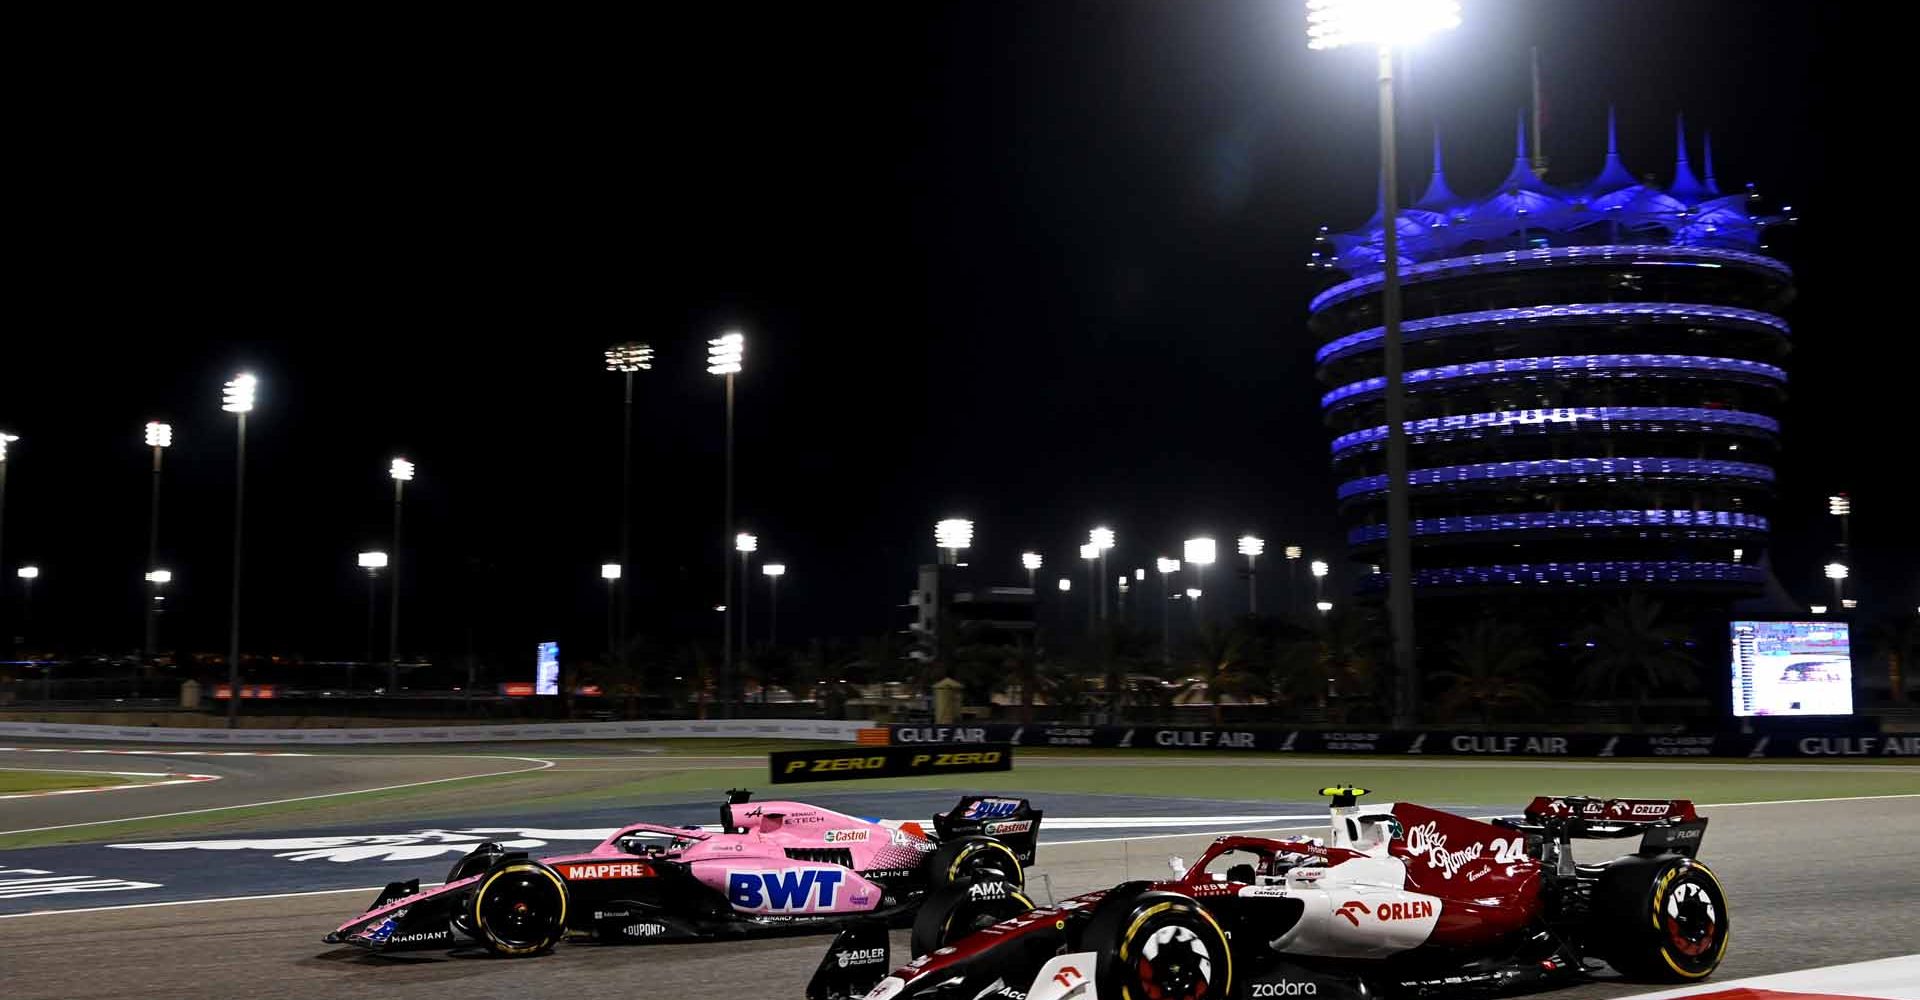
point(979, 859)
point(520, 909)
point(1160, 946)
point(1663, 919)
point(959, 909)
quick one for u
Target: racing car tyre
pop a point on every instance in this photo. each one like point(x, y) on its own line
point(957, 910)
point(1662, 919)
point(475, 862)
point(520, 909)
point(980, 859)
point(1159, 946)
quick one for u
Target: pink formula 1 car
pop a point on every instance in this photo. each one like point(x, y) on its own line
point(769, 868)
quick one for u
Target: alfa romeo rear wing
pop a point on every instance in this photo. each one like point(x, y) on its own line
point(1664, 826)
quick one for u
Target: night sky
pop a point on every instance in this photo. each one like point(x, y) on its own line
point(1037, 264)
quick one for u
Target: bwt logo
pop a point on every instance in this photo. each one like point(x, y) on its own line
point(785, 891)
point(991, 809)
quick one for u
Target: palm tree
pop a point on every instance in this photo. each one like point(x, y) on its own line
point(1219, 652)
point(1353, 642)
point(1495, 668)
point(1896, 640)
point(1115, 652)
point(1023, 668)
point(1285, 659)
point(1631, 650)
point(1067, 690)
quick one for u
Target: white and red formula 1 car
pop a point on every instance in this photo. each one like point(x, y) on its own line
point(1398, 901)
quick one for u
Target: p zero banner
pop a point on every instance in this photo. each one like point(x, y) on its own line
point(1434, 743)
point(793, 766)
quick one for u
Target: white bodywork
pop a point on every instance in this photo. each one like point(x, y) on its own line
point(1066, 977)
point(1359, 908)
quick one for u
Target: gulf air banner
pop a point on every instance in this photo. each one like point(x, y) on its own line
point(1435, 743)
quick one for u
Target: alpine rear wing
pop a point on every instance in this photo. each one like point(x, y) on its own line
point(1664, 826)
point(1013, 822)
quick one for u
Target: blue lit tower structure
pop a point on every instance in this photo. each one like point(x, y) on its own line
point(1594, 379)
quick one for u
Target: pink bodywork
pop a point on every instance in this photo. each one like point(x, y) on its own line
point(771, 828)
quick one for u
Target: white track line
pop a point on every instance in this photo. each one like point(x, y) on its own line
point(1895, 978)
point(175, 778)
point(1792, 802)
point(540, 764)
point(1051, 843)
point(195, 902)
point(1200, 759)
point(159, 753)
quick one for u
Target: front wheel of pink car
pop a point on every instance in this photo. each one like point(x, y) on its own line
point(520, 909)
point(958, 910)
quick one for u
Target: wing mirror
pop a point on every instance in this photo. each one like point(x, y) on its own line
point(1177, 863)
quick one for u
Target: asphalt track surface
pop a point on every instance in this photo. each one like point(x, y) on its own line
point(1811, 884)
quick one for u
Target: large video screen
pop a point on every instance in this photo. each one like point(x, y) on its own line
point(1792, 668)
point(546, 675)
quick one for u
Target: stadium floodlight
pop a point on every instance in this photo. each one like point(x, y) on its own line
point(1387, 24)
point(629, 357)
point(1294, 552)
point(1101, 538)
point(373, 560)
point(159, 435)
point(1193, 593)
point(1065, 584)
point(725, 354)
point(746, 542)
point(401, 470)
point(1324, 606)
point(4, 439)
point(1333, 24)
point(1200, 551)
point(953, 533)
point(1252, 547)
point(774, 569)
point(1140, 574)
point(1089, 551)
point(1836, 571)
point(1818, 609)
point(1839, 505)
point(237, 395)
point(1165, 565)
point(609, 571)
point(28, 572)
point(1030, 560)
point(160, 576)
point(1318, 567)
